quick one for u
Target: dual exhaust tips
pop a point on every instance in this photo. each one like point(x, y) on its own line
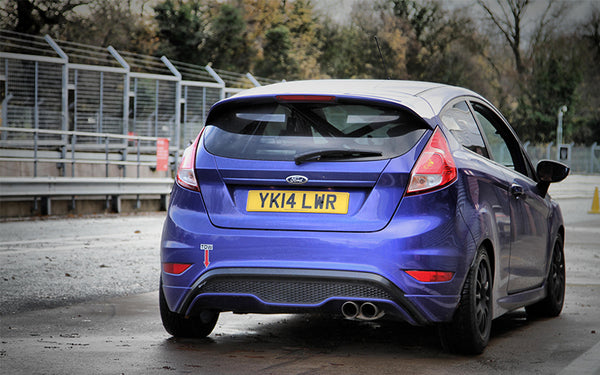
point(366, 311)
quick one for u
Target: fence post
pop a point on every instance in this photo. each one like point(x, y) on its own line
point(74, 136)
point(176, 73)
point(253, 80)
point(64, 96)
point(217, 78)
point(156, 105)
point(5, 114)
point(36, 119)
point(548, 148)
point(100, 126)
point(106, 154)
point(7, 97)
point(126, 84)
point(593, 156)
point(204, 106)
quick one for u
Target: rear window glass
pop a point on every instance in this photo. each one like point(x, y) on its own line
point(282, 131)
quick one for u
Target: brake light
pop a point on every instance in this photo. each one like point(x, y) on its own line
point(186, 176)
point(431, 276)
point(175, 268)
point(305, 98)
point(435, 167)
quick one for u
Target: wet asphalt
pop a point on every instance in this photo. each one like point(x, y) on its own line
point(78, 295)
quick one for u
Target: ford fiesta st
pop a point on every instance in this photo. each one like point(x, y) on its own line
point(363, 198)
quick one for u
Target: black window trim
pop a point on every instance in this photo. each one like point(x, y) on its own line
point(525, 163)
point(466, 99)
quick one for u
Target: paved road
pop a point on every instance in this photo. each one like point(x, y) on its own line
point(49, 267)
point(56, 262)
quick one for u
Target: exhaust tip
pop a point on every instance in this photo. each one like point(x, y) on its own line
point(350, 310)
point(369, 311)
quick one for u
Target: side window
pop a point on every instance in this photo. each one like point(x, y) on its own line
point(503, 147)
point(459, 120)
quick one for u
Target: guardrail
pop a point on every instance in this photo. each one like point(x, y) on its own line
point(75, 105)
point(109, 150)
point(69, 149)
point(47, 188)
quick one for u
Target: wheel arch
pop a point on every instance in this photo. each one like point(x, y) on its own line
point(561, 233)
point(489, 249)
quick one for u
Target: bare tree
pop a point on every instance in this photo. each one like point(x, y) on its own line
point(509, 17)
point(591, 30)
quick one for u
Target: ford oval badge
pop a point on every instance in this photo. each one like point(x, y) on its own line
point(296, 180)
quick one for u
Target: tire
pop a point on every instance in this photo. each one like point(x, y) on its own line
point(469, 331)
point(552, 304)
point(180, 325)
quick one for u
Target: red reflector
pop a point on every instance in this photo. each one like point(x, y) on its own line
point(175, 268)
point(431, 276)
point(305, 98)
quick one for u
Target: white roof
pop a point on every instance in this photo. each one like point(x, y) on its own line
point(425, 98)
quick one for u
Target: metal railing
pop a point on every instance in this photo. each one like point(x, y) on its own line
point(61, 85)
point(65, 150)
point(77, 120)
point(106, 153)
point(580, 158)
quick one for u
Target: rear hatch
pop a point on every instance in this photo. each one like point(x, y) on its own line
point(306, 163)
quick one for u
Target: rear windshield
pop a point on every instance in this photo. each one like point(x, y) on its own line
point(283, 131)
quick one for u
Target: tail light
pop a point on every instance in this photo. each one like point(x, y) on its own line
point(435, 167)
point(186, 174)
point(305, 98)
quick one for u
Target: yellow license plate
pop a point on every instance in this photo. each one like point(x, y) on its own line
point(298, 201)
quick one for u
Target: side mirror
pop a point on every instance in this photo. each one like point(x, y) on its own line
point(549, 171)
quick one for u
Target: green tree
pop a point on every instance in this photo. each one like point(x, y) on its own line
point(585, 119)
point(289, 25)
point(342, 56)
point(552, 83)
point(277, 63)
point(306, 48)
point(350, 50)
point(226, 41)
point(261, 16)
point(545, 72)
point(182, 29)
point(441, 43)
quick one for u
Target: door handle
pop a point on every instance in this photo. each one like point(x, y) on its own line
point(517, 191)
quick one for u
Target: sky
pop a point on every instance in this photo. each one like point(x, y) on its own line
point(339, 10)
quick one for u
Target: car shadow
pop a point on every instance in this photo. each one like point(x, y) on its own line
point(510, 323)
point(333, 335)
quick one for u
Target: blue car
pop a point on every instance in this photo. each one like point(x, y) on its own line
point(366, 199)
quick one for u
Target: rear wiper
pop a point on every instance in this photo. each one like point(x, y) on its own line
point(334, 154)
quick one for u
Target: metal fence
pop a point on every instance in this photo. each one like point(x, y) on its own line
point(46, 84)
point(581, 159)
point(70, 87)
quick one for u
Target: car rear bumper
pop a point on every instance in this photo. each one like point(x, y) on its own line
point(270, 271)
point(269, 290)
